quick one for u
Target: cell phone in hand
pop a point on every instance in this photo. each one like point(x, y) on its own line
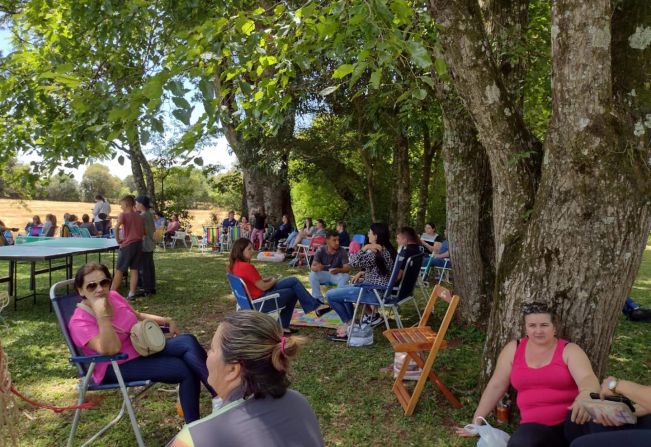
point(616, 398)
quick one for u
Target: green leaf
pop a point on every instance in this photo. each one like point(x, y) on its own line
point(419, 54)
point(328, 90)
point(207, 88)
point(182, 115)
point(121, 160)
point(342, 70)
point(176, 87)
point(153, 88)
point(308, 11)
point(198, 161)
point(248, 27)
point(421, 94)
point(440, 67)
point(258, 95)
point(181, 102)
point(376, 77)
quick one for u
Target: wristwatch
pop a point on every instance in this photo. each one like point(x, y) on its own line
point(612, 385)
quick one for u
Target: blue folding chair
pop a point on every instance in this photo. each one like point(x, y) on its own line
point(64, 306)
point(243, 298)
point(392, 295)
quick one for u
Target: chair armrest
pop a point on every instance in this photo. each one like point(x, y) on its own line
point(263, 299)
point(98, 358)
point(370, 286)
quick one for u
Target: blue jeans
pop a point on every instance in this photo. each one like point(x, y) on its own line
point(290, 290)
point(325, 277)
point(437, 262)
point(290, 238)
point(337, 296)
point(182, 361)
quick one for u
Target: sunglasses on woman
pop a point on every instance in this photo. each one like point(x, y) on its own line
point(91, 286)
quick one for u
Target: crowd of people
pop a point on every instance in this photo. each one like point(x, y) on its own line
point(245, 370)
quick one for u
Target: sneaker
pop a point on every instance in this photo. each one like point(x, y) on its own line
point(374, 319)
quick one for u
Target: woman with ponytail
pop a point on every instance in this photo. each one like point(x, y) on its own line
point(248, 365)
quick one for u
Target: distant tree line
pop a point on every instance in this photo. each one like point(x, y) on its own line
point(178, 188)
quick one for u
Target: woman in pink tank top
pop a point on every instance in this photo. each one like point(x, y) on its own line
point(551, 377)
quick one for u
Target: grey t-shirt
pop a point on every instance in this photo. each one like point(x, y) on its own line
point(331, 261)
point(287, 421)
point(148, 243)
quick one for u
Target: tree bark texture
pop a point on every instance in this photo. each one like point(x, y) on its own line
point(430, 151)
point(506, 22)
point(513, 150)
point(402, 190)
point(584, 235)
point(469, 214)
point(370, 182)
point(141, 170)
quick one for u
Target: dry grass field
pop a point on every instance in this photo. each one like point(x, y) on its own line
point(16, 213)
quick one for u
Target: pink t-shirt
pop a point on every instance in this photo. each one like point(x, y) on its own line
point(134, 227)
point(83, 327)
point(544, 394)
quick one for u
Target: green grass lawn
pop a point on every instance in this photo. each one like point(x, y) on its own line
point(351, 397)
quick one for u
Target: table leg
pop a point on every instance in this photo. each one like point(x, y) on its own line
point(12, 282)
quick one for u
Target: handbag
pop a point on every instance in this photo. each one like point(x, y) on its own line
point(413, 371)
point(146, 336)
point(360, 335)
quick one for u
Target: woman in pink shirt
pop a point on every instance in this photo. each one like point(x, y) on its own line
point(551, 377)
point(182, 361)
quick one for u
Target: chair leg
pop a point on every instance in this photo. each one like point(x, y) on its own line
point(127, 402)
point(434, 379)
point(83, 387)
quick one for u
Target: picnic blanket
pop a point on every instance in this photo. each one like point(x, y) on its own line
point(329, 320)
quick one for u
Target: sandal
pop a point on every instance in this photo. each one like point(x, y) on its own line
point(333, 336)
point(322, 311)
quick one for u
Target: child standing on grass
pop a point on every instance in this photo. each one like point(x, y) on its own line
point(130, 244)
point(147, 267)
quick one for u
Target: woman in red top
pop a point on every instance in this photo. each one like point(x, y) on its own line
point(550, 375)
point(290, 289)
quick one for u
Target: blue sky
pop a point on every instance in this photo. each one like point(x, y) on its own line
point(215, 154)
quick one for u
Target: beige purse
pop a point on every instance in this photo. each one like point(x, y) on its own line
point(146, 336)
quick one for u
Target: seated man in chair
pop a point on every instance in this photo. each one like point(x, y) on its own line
point(330, 265)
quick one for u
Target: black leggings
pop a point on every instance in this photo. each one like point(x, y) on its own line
point(539, 435)
point(638, 435)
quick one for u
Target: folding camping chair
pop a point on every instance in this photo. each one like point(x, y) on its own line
point(308, 251)
point(391, 296)
point(244, 302)
point(211, 236)
point(64, 306)
point(179, 236)
point(443, 275)
point(418, 342)
point(159, 237)
point(201, 244)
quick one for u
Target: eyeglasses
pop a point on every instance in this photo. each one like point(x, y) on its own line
point(104, 284)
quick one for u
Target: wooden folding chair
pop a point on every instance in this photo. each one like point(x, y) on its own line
point(415, 342)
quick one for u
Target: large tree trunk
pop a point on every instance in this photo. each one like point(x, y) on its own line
point(469, 210)
point(370, 182)
point(141, 169)
point(584, 235)
point(402, 188)
point(430, 150)
point(514, 153)
point(506, 22)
